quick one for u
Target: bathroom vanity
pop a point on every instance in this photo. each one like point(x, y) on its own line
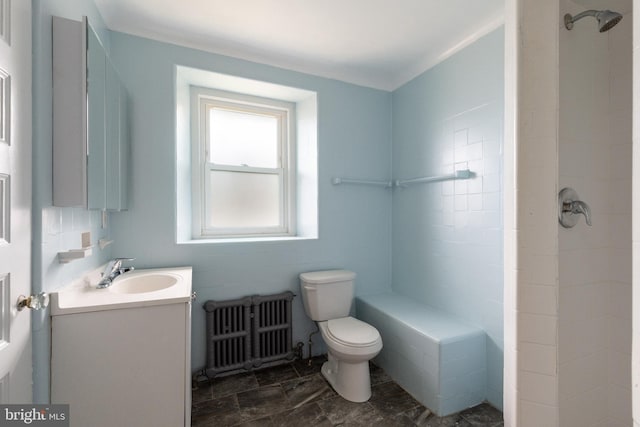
point(120, 356)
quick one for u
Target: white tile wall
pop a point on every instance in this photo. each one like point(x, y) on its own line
point(635, 383)
point(535, 415)
point(538, 357)
point(595, 269)
point(568, 123)
point(584, 409)
point(512, 407)
point(61, 231)
point(531, 242)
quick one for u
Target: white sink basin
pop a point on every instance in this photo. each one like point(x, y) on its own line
point(138, 288)
point(142, 283)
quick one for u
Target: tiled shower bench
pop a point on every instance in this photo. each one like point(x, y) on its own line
point(436, 357)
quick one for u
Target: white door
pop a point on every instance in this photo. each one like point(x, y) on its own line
point(15, 200)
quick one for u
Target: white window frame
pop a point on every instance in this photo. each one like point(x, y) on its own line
point(203, 99)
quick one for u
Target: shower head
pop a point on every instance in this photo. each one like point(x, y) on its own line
point(606, 19)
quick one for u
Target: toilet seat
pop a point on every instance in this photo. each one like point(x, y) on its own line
point(352, 332)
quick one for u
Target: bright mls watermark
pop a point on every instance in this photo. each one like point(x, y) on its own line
point(34, 415)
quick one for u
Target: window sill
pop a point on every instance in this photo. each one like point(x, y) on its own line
point(245, 240)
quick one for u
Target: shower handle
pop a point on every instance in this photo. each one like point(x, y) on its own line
point(569, 207)
point(578, 207)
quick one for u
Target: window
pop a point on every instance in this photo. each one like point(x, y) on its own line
point(213, 175)
point(243, 184)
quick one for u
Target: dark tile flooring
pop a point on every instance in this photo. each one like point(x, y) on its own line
point(297, 395)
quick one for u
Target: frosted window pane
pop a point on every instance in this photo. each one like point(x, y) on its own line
point(238, 138)
point(241, 199)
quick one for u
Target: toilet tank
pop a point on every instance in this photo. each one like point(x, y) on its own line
point(327, 294)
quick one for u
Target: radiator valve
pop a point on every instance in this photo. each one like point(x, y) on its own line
point(298, 350)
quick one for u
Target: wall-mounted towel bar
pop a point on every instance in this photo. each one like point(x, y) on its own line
point(337, 181)
point(461, 174)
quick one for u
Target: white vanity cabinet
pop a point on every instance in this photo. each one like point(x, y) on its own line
point(121, 367)
point(90, 127)
point(121, 356)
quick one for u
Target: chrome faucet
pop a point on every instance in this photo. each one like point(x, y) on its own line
point(112, 270)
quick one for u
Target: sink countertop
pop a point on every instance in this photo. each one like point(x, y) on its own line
point(82, 296)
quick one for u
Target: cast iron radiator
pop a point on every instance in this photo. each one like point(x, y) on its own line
point(248, 333)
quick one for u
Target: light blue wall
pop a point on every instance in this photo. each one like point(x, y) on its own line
point(54, 229)
point(354, 133)
point(447, 237)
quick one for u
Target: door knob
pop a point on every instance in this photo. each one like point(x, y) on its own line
point(34, 302)
point(569, 207)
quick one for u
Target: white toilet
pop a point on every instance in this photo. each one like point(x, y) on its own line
point(327, 297)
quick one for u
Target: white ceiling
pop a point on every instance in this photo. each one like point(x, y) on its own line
point(376, 43)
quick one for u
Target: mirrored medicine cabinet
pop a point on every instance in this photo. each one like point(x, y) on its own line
point(90, 121)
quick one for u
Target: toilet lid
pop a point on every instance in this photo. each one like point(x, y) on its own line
point(352, 332)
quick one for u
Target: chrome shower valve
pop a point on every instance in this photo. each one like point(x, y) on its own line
point(569, 207)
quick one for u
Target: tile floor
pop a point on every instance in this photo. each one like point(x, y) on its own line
point(296, 395)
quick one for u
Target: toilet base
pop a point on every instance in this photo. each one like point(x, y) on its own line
point(349, 380)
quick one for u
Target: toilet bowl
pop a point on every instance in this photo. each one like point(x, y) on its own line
point(351, 343)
